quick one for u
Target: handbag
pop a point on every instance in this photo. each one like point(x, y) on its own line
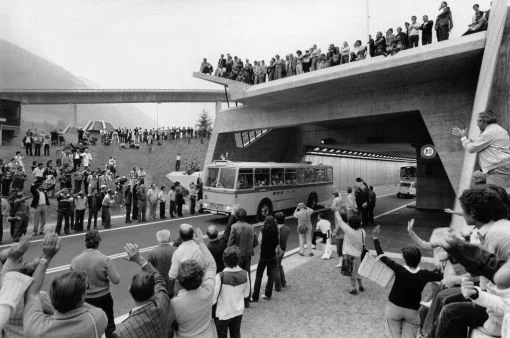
point(301, 229)
point(364, 250)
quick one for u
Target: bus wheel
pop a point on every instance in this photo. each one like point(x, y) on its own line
point(312, 200)
point(265, 209)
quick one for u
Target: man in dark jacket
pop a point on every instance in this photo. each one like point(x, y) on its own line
point(218, 245)
point(426, 30)
point(284, 231)
point(372, 197)
point(63, 210)
point(444, 22)
point(39, 203)
point(141, 198)
point(362, 200)
point(128, 198)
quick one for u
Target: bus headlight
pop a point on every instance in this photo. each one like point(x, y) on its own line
point(206, 205)
point(228, 208)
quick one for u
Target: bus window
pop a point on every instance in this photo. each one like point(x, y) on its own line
point(277, 177)
point(261, 177)
point(320, 176)
point(309, 175)
point(245, 180)
point(291, 176)
point(212, 177)
point(329, 174)
point(227, 178)
point(301, 175)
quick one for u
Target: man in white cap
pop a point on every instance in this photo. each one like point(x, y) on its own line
point(188, 250)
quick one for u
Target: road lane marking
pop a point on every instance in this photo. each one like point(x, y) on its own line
point(119, 228)
point(123, 254)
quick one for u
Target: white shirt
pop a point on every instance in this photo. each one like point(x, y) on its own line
point(38, 172)
point(324, 226)
point(337, 202)
point(188, 250)
point(178, 158)
point(353, 239)
point(42, 198)
point(414, 29)
point(492, 146)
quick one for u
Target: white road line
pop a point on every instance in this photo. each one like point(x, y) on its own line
point(120, 228)
point(122, 254)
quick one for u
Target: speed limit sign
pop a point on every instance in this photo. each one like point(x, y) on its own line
point(428, 151)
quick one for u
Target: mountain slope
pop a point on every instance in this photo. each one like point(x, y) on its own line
point(20, 68)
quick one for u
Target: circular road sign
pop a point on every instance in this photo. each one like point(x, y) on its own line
point(428, 151)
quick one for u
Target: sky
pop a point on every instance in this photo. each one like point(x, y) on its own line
point(158, 44)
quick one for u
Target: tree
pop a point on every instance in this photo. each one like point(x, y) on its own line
point(204, 124)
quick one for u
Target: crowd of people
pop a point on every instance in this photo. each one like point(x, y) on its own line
point(76, 186)
point(132, 138)
point(192, 288)
point(313, 58)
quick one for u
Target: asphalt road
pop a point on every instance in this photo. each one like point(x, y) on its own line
point(143, 234)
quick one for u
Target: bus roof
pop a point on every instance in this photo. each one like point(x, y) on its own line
point(221, 163)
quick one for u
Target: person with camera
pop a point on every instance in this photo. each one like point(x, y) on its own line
point(106, 217)
point(63, 210)
point(20, 214)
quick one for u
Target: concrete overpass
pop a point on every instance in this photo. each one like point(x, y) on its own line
point(410, 99)
point(12, 100)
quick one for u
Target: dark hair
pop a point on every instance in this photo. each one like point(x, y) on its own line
point(231, 256)
point(344, 217)
point(412, 256)
point(269, 223)
point(280, 218)
point(142, 286)
point(321, 215)
point(488, 117)
point(371, 188)
point(354, 222)
point(359, 179)
point(190, 275)
point(241, 215)
point(66, 291)
point(92, 239)
point(186, 234)
point(485, 203)
point(349, 190)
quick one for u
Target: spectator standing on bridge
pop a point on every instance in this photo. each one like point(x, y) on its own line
point(372, 197)
point(492, 147)
point(414, 33)
point(303, 214)
point(444, 22)
point(100, 271)
point(161, 257)
point(152, 309)
point(243, 236)
point(479, 25)
point(426, 31)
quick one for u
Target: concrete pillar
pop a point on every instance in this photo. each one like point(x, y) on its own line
point(75, 115)
point(433, 188)
point(218, 107)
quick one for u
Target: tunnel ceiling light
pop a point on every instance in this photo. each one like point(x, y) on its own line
point(350, 152)
point(338, 151)
point(324, 149)
point(344, 152)
point(316, 149)
point(327, 141)
point(331, 150)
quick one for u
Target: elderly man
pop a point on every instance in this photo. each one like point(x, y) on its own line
point(141, 200)
point(243, 235)
point(161, 256)
point(73, 317)
point(40, 202)
point(492, 147)
point(188, 250)
point(100, 271)
point(106, 217)
point(304, 218)
point(149, 317)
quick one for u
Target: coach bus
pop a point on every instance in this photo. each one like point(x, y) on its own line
point(407, 185)
point(264, 187)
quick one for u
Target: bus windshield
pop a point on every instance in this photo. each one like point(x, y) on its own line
point(227, 178)
point(408, 172)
